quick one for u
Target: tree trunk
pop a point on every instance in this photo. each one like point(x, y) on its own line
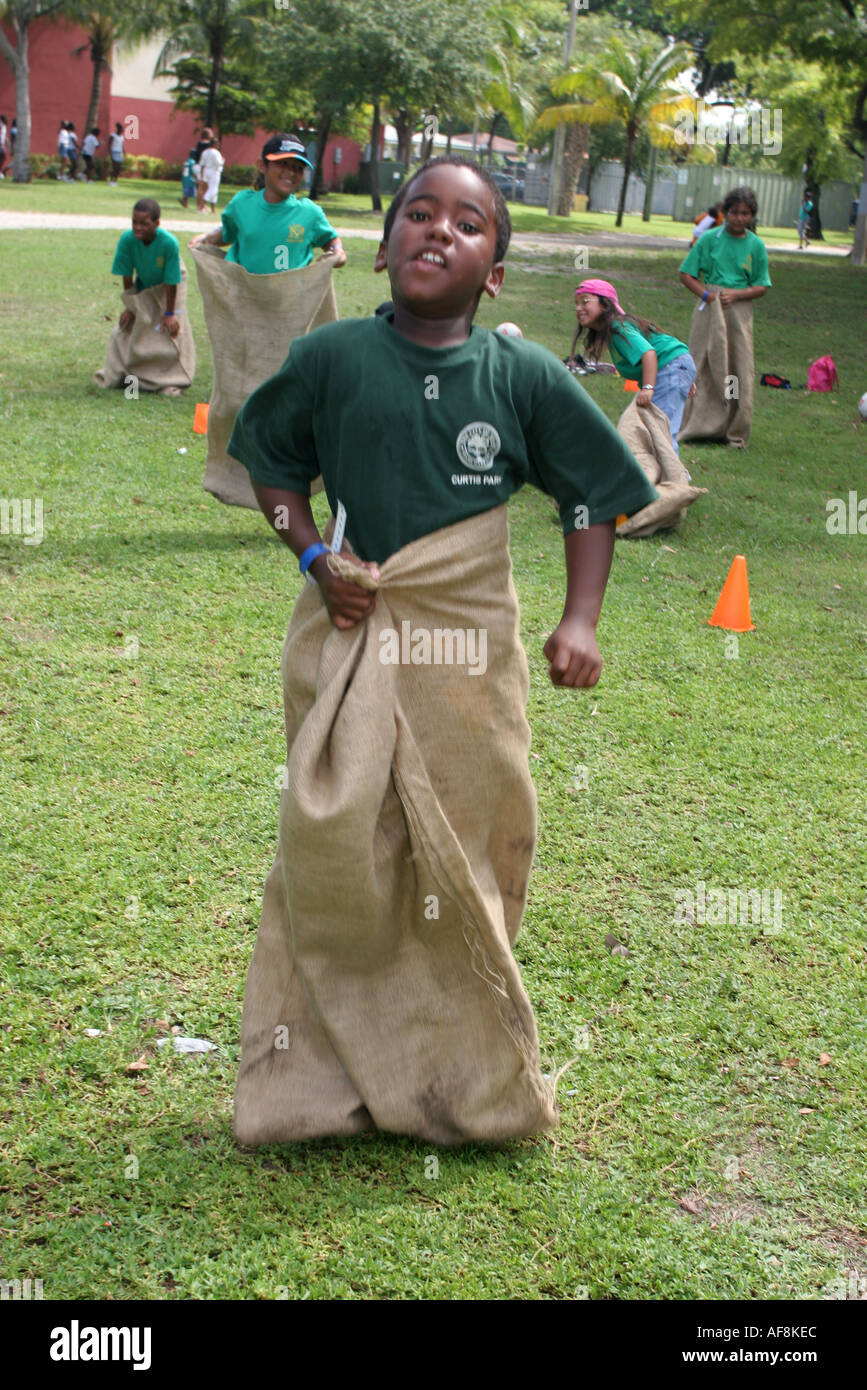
point(376, 200)
point(18, 59)
point(648, 192)
point(403, 124)
point(324, 128)
point(494, 120)
point(577, 143)
point(98, 57)
point(216, 65)
point(859, 245)
point(815, 192)
point(627, 170)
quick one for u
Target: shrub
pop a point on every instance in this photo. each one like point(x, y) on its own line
point(240, 174)
point(351, 184)
point(44, 166)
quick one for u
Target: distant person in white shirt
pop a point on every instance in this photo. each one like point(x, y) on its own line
point(712, 218)
point(211, 164)
point(62, 148)
point(89, 146)
point(115, 150)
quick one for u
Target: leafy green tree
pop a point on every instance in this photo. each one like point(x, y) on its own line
point(208, 51)
point(19, 15)
point(831, 33)
point(106, 23)
point(629, 87)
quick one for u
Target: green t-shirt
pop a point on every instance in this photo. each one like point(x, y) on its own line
point(411, 439)
point(734, 262)
point(628, 345)
point(266, 237)
point(155, 263)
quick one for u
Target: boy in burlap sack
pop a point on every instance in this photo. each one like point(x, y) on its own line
point(383, 992)
point(253, 308)
point(733, 264)
point(153, 342)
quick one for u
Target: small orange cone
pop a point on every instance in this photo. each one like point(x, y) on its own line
point(630, 385)
point(200, 419)
point(733, 605)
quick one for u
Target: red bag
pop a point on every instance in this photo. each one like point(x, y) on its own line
point(822, 375)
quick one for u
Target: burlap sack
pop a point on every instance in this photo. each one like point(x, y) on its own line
point(154, 359)
point(721, 343)
point(383, 992)
point(648, 434)
point(251, 321)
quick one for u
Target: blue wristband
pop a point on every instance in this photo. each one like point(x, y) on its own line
point(704, 297)
point(310, 554)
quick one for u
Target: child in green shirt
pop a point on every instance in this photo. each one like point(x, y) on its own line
point(726, 270)
point(269, 229)
point(148, 256)
point(383, 964)
point(639, 350)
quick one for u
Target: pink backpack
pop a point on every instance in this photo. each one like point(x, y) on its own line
point(822, 375)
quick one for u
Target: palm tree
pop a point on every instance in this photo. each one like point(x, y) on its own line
point(633, 88)
point(213, 28)
point(106, 23)
point(503, 95)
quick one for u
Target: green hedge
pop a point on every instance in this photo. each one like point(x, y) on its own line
point(138, 166)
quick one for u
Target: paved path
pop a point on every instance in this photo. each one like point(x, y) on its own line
point(528, 241)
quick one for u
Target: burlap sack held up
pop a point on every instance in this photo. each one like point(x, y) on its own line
point(251, 321)
point(383, 992)
point(155, 359)
point(721, 343)
point(648, 434)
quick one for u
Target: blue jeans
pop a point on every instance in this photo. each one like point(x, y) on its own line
point(672, 388)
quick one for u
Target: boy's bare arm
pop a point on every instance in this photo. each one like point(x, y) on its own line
point(169, 317)
point(695, 286)
point(213, 238)
point(127, 318)
point(751, 292)
point(335, 249)
point(572, 650)
point(291, 517)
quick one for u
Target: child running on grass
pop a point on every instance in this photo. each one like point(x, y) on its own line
point(383, 992)
point(269, 229)
point(148, 255)
point(639, 350)
point(154, 286)
point(188, 179)
point(726, 270)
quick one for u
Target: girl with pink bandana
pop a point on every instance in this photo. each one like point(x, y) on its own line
point(661, 364)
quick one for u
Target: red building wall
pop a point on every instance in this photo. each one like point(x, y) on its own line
point(60, 91)
point(59, 84)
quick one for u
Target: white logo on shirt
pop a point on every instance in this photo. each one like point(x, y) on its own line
point(478, 445)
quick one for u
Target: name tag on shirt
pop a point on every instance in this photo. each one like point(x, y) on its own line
point(339, 528)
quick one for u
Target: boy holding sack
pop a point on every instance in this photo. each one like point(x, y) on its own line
point(383, 991)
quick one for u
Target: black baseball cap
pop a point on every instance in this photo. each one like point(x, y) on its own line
point(285, 147)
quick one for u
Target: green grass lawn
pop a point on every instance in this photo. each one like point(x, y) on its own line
point(712, 1131)
point(344, 209)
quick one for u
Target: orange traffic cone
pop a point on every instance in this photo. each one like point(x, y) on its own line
point(733, 605)
point(200, 419)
